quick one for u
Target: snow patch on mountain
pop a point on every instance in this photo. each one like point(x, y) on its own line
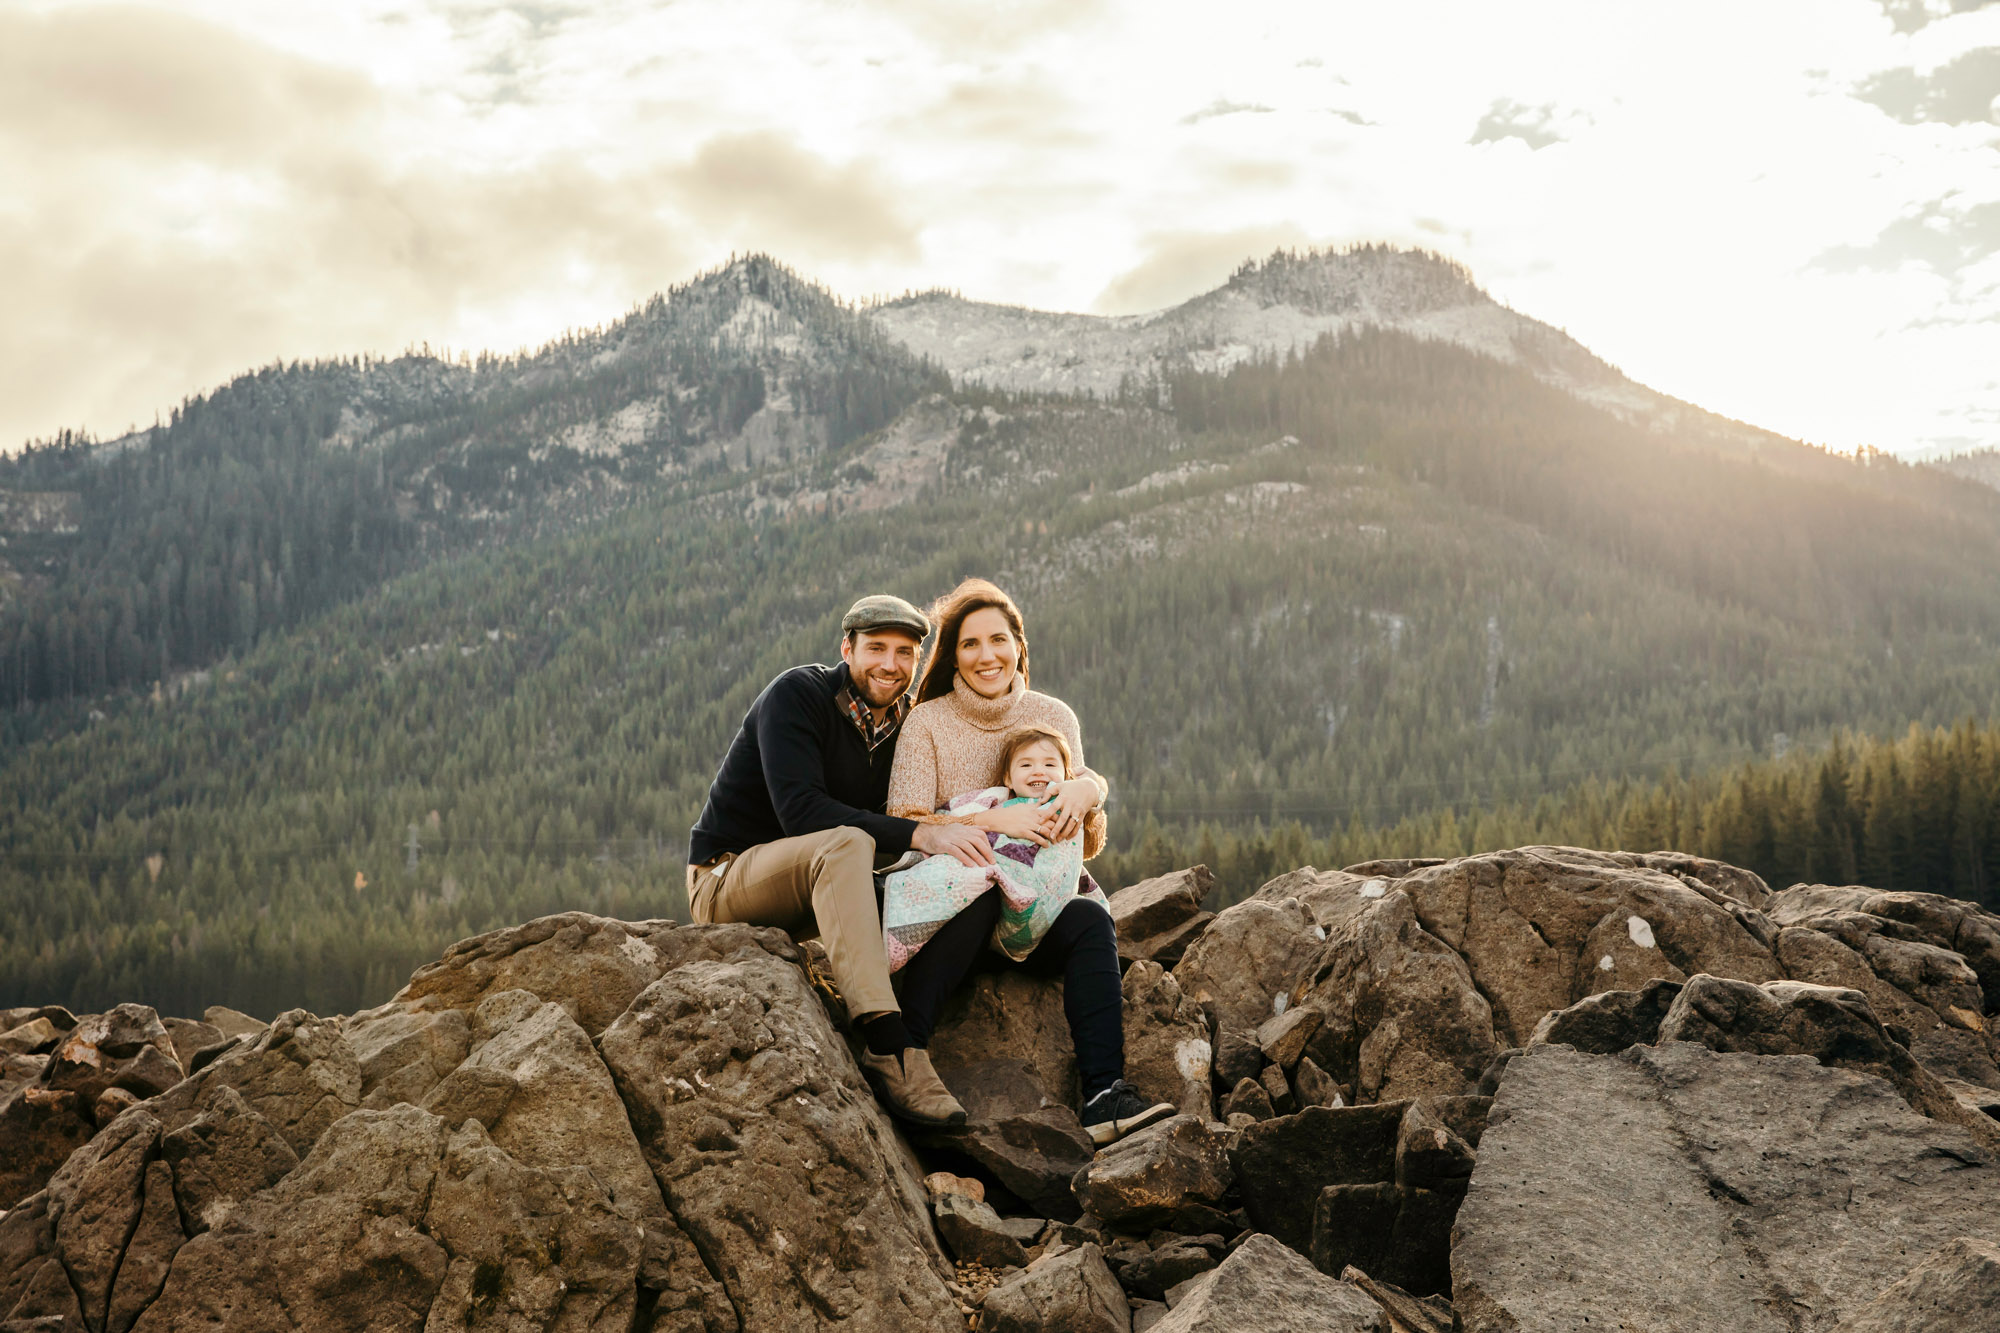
point(1283, 304)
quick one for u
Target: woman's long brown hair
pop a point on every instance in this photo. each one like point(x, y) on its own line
point(948, 613)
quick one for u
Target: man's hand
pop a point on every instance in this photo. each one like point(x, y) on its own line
point(963, 841)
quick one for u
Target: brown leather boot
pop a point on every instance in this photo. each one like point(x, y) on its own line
point(911, 1089)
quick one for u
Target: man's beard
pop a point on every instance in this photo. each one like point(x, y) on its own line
point(880, 694)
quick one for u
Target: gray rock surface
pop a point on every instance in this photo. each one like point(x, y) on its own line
point(1070, 1291)
point(1610, 1020)
point(338, 1243)
point(1265, 1288)
point(1399, 1232)
point(771, 1153)
point(1158, 918)
point(1282, 1165)
point(1956, 1288)
point(1678, 1188)
point(221, 1157)
point(592, 966)
point(974, 1232)
point(1167, 1052)
point(1919, 957)
point(100, 1066)
point(1402, 1015)
point(1834, 1025)
point(1010, 1015)
point(1526, 922)
point(1246, 963)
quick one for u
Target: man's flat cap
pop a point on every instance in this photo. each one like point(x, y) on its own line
point(885, 612)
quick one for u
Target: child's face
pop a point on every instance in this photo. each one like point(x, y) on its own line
point(1035, 769)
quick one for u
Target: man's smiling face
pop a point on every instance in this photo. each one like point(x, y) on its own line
point(881, 664)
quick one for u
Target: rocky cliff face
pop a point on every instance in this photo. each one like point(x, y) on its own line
point(1537, 1089)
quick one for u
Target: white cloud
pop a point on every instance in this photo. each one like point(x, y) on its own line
point(1713, 196)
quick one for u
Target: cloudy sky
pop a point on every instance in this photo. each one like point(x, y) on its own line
point(1784, 210)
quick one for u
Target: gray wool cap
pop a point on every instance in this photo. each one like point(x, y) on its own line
point(882, 611)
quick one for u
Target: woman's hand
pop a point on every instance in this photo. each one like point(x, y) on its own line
point(1029, 823)
point(1062, 814)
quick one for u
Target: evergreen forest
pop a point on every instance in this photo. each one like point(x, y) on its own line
point(349, 661)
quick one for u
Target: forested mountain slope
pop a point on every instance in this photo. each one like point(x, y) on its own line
point(289, 489)
point(1370, 580)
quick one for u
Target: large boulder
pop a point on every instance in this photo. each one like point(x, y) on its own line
point(1066, 1291)
point(1400, 1234)
point(1401, 1013)
point(1956, 1288)
point(299, 1074)
point(1158, 918)
point(1282, 1165)
point(1677, 1187)
point(405, 1050)
point(1246, 963)
point(226, 1154)
point(1955, 1044)
point(1026, 1141)
point(590, 965)
point(1610, 1020)
point(1167, 1051)
point(1834, 1026)
point(1265, 1288)
point(1010, 1015)
point(1536, 924)
point(771, 1153)
point(1175, 1168)
point(1928, 964)
point(1952, 924)
point(339, 1243)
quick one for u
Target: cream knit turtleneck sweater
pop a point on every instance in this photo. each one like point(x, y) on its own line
point(951, 745)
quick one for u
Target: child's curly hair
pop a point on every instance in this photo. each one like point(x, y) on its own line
point(1021, 739)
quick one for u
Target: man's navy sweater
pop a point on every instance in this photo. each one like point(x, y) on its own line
point(799, 765)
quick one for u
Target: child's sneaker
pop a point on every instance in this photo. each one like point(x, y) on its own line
point(1120, 1110)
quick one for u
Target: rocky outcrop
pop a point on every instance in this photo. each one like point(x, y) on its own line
point(1958, 1287)
point(804, 1207)
point(580, 1123)
point(1835, 1026)
point(1158, 918)
point(98, 1067)
point(1928, 964)
point(1675, 1187)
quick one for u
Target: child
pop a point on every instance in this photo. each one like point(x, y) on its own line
point(1035, 883)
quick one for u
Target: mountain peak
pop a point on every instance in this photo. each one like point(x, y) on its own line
point(1370, 279)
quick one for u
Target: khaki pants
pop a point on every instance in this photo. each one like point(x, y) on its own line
point(823, 881)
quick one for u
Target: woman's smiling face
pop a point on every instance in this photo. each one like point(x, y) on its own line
point(987, 653)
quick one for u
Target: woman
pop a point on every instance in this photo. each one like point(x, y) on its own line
point(974, 694)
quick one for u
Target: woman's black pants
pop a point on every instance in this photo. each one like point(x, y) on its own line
point(1082, 945)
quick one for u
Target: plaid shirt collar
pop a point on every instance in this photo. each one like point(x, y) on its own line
point(864, 719)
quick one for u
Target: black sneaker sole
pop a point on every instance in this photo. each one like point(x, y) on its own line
point(1107, 1132)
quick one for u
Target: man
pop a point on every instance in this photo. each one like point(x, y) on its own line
point(794, 824)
